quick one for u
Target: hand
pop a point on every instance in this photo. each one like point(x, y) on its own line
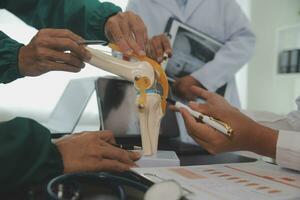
point(157, 46)
point(47, 52)
point(182, 87)
point(248, 135)
point(93, 151)
point(128, 31)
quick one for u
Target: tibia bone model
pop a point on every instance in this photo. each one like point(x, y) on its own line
point(150, 118)
point(144, 74)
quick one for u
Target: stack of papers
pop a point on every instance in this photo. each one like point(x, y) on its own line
point(256, 180)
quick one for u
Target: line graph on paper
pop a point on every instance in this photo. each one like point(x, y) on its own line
point(234, 181)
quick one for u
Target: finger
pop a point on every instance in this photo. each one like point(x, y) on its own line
point(167, 45)
point(134, 155)
point(201, 131)
point(140, 32)
point(111, 152)
point(150, 51)
point(145, 37)
point(66, 58)
point(210, 147)
point(173, 108)
point(189, 120)
point(189, 96)
point(200, 92)
point(128, 36)
point(193, 127)
point(63, 33)
point(144, 31)
point(202, 143)
point(66, 44)
point(56, 66)
point(116, 36)
point(113, 165)
point(107, 136)
point(157, 46)
point(136, 48)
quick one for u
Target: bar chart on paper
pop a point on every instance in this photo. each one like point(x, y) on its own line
point(232, 181)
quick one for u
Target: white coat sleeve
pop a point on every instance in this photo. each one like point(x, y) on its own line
point(290, 122)
point(132, 6)
point(237, 50)
point(288, 150)
point(288, 143)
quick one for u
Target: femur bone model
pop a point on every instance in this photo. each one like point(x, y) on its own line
point(147, 76)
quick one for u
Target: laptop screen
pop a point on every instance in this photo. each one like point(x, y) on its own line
point(70, 106)
point(117, 111)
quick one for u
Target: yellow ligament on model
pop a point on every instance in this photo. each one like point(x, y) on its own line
point(143, 83)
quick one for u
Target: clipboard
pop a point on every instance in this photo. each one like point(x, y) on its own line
point(192, 49)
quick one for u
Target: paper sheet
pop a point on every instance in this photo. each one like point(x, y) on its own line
point(256, 180)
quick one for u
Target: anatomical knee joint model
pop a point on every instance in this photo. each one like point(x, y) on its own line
point(152, 88)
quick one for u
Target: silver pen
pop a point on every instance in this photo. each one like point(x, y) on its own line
point(212, 122)
point(89, 42)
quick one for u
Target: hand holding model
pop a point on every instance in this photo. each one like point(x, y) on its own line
point(146, 75)
point(60, 49)
point(47, 52)
point(157, 46)
point(128, 31)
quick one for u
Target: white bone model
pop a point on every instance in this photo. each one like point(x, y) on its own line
point(149, 104)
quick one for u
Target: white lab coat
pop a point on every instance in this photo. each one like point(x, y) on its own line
point(288, 143)
point(221, 19)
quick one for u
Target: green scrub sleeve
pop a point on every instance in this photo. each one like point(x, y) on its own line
point(27, 154)
point(9, 51)
point(84, 17)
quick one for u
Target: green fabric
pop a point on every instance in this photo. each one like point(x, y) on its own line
point(9, 50)
point(26, 152)
point(84, 17)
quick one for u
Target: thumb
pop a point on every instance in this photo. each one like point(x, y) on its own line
point(134, 156)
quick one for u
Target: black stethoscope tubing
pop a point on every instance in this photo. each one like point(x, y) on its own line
point(116, 182)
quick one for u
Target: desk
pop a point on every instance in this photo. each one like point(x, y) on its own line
point(185, 160)
point(201, 158)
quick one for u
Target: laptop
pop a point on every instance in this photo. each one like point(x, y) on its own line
point(117, 112)
point(70, 106)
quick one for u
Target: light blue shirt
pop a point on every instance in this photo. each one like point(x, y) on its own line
point(221, 19)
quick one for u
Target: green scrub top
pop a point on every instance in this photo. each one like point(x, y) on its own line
point(26, 152)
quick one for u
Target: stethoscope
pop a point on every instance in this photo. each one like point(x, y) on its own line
point(68, 186)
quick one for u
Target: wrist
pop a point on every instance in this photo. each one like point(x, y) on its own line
point(265, 141)
point(10, 57)
point(106, 35)
point(60, 149)
point(22, 60)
